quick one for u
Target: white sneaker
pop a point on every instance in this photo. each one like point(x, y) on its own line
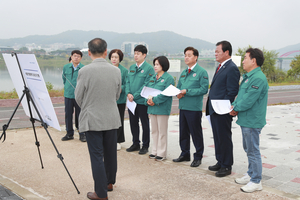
point(244, 180)
point(251, 187)
point(118, 146)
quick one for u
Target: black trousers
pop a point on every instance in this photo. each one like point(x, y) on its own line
point(190, 124)
point(102, 146)
point(121, 137)
point(140, 113)
point(221, 126)
point(70, 105)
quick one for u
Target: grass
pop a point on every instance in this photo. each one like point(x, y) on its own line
point(297, 82)
point(13, 94)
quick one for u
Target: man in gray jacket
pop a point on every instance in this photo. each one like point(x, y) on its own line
point(98, 88)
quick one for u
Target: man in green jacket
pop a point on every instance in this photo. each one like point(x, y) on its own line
point(193, 83)
point(251, 107)
point(139, 75)
point(69, 76)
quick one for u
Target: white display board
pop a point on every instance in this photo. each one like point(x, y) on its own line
point(174, 65)
point(35, 83)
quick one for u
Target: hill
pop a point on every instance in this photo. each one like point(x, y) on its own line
point(161, 41)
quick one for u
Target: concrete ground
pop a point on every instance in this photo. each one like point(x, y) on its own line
point(142, 178)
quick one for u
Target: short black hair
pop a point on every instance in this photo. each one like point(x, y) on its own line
point(97, 46)
point(118, 51)
point(163, 61)
point(70, 58)
point(195, 51)
point(77, 52)
point(141, 48)
point(225, 46)
point(257, 54)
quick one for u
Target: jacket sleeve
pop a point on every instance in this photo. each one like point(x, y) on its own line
point(80, 89)
point(232, 83)
point(124, 79)
point(203, 89)
point(162, 98)
point(63, 76)
point(118, 92)
point(127, 85)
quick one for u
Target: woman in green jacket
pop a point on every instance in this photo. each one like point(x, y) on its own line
point(116, 56)
point(159, 108)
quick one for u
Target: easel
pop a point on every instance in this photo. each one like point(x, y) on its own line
point(30, 99)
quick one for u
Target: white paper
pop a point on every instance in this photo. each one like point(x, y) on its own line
point(171, 90)
point(131, 105)
point(208, 119)
point(36, 85)
point(221, 107)
point(146, 92)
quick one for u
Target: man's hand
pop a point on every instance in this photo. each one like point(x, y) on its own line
point(130, 97)
point(233, 113)
point(183, 91)
point(181, 94)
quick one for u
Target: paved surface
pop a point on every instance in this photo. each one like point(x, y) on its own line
point(142, 178)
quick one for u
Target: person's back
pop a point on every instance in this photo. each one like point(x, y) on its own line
point(97, 91)
point(101, 103)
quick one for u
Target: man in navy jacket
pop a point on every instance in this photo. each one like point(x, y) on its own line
point(224, 85)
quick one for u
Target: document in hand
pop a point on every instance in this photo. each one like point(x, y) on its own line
point(221, 107)
point(146, 92)
point(171, 91)
point(131, 105)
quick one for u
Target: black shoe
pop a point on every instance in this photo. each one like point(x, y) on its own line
point(133, 148)
point(152, 156)
point(82, 137)
point(182, 158)
point(143, 150)
point(215, 167)
point(159, 158)
point(195, 163)
point(67, 137)
point(223, 172)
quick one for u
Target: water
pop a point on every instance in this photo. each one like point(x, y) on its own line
point(53, 75)
point(50, 74)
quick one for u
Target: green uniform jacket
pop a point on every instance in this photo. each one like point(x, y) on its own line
point(137, 79)
point(123, 97)
point(162, 103)
point(69, 77)
point(252, 99)
point(196, 84)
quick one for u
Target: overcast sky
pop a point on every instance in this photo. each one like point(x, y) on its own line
point(272, 24)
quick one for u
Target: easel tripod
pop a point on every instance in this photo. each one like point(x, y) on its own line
point(30, 99)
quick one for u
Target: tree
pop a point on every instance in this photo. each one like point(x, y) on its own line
point(268, 68)
point(294, 72)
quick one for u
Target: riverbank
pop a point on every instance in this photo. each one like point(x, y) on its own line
point(59, 100)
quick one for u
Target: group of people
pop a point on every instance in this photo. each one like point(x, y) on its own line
point(101, 90)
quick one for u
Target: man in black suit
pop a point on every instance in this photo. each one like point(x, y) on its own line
point(225, 85)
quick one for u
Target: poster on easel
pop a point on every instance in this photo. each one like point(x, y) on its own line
point(35, 83)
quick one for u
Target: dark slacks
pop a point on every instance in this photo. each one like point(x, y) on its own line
point(140, 113)
point(221, 126)
point(121, 137)
point(102, 146)
point(190, 124)
point(70, 105)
